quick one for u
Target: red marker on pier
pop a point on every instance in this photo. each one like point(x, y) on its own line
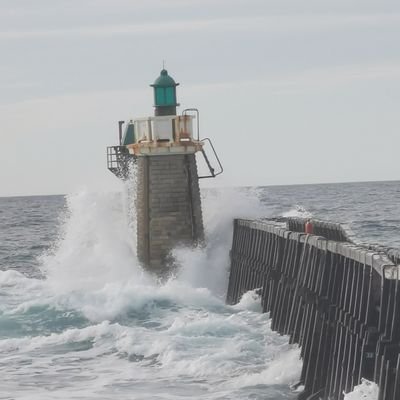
point(308, 227)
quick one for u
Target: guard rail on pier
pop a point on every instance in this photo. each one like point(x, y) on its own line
point(335, 231)
point(339, 301)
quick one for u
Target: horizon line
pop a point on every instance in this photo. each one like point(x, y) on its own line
point(214, 187)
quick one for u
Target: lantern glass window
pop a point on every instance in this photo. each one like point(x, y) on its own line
point(160, 96)
point(170, 95)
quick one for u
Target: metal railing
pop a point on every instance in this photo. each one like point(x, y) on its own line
point(119, 161)
point(336, 231)
point(329, 230)
point(213, 174)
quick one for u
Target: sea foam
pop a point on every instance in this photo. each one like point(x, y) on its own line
point(365, 391)
point(98, 311)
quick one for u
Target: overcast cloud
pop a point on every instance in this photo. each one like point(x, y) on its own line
point(291, 92)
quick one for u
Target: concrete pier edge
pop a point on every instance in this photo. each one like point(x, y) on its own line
point(340, 301)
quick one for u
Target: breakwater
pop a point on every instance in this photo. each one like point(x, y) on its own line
point(338, 300)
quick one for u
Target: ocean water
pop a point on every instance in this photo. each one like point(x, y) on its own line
point(80, 319)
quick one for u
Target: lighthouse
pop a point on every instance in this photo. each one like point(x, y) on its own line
point(162, 152)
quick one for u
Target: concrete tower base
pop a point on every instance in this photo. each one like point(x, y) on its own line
point(168, 206)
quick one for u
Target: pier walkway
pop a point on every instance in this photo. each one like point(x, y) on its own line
point(340, 301)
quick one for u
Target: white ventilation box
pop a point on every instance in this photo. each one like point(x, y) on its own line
point(143, 129)
point(162, 128)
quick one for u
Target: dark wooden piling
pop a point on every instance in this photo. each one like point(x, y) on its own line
point(339, 301)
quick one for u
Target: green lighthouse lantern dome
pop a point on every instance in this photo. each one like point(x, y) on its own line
point(165, 94)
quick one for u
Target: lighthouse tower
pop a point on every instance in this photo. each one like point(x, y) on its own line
point(163, 150)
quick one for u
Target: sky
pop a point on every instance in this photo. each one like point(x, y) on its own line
point(291, 92)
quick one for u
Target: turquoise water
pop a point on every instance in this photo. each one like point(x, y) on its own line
point(80, 319)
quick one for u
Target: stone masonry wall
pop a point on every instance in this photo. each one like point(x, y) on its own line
point(168, 206)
